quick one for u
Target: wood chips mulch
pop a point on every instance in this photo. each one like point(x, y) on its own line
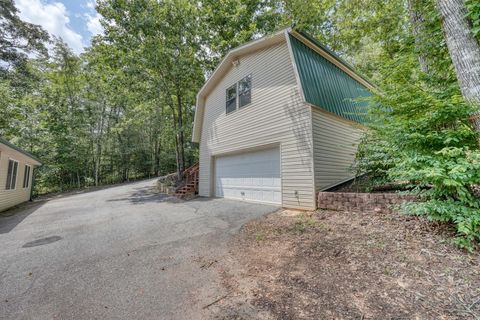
point(343, 265)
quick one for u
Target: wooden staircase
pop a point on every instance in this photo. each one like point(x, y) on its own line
point(190, 186)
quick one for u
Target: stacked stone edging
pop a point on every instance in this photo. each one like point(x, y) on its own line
point(164, 188)
point(351, 201)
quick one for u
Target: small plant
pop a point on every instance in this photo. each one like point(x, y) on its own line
point(260, 236)
point(388, 271)
point(305, 223)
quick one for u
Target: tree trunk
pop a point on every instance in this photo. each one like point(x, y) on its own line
point(464, 50)
point(417, 21)
point(177, 149)
point(99, 141)
point(179, 140)
point(180, 135)
point(97, 163)
point(156, 168)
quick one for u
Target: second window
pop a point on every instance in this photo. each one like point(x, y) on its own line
point(241, 92)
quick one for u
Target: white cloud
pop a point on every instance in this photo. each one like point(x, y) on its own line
point(91, 4)
point(92, 18)
point(93, 23)
point(53, 17)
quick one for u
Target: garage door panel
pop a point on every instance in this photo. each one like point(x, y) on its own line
point(253, 176)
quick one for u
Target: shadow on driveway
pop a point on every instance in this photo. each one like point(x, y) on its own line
point(12, 217)
point(147, 194)
point(64, 194)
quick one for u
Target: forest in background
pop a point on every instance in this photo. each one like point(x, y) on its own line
point(124, 108)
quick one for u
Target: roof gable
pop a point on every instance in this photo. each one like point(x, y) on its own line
point(223, 67)
point(236, 53)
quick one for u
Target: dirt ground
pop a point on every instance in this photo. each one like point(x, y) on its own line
point(343, 265)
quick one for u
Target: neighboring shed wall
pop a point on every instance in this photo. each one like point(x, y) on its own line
point(335, 142)
point(326, 86)
point(10, 198)
point(276, 115)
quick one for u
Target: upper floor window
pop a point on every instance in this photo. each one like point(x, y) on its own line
point(245, 91)
point(11, 174)
point(241, 90)
point(231, 98)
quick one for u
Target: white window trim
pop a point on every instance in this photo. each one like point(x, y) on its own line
point(18, 164)
point(29, 174)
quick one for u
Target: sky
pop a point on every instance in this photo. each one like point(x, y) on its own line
point(75, 21)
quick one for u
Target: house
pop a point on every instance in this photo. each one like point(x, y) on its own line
point(278, 121)
point(16, 171)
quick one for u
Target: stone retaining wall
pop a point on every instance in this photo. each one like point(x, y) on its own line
point(361, 201)
point(164, 188)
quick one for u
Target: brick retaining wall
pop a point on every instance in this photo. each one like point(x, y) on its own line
point(360, 201)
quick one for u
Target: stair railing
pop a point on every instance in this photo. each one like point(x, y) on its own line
point(190, 175)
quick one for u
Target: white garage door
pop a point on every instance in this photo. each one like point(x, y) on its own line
point(252, 176)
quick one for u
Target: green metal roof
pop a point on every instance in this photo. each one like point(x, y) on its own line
point(327, 86)
point(7, 143)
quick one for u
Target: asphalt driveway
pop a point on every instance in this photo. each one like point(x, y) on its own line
point(124, 252)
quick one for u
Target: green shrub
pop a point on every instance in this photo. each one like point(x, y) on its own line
point(374, 159)
point(445, 181)
point(423, 136)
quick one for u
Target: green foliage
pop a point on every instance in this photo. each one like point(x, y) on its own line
point(229, 23)
point(374, 158)
point(17, 37)
point(450, 175)
point(473, 7)
point(421, 133)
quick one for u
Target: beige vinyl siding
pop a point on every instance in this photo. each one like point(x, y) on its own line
point(335, 143)
point(10, 198)
point(276, 116)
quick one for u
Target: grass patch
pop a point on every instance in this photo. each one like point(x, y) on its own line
point(306, 223)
